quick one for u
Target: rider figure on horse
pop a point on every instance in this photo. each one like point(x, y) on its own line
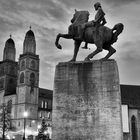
point(99, 21)
point(100, 15)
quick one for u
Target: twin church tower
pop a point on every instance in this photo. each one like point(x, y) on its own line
point(19, 81)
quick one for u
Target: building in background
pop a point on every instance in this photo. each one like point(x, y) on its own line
point(19, 85)
point(131, 111)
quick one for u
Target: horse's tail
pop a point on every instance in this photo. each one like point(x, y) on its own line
point(116, 30)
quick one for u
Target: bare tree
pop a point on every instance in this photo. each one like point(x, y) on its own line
point(5, 117)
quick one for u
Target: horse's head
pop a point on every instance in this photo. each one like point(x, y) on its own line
point(75, 16)
point(80, 16)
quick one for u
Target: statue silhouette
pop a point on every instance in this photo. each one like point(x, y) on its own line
point(93, 32)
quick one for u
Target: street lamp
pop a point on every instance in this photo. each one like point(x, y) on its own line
point(39, 126)
point(33, 121)
point(13, 138)
point(25, 114)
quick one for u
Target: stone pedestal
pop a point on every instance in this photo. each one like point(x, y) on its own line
point(87, 101)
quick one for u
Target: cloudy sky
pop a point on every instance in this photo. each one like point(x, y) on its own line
point(50, 17)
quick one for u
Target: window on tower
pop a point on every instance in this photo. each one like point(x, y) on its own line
point(32, 81)
point(22, 77)
point(32, 64)
point(22, 65)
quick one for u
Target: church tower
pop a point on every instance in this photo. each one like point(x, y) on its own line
point(28, 82)
point(8, 70)
point(8, 79)
point(9, 50)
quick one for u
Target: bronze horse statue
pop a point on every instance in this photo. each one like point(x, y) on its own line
point(102, 36)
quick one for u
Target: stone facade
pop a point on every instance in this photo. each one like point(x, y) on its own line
point(28, 87)
point(19, 84)
point(87, 101)
point(131, 99)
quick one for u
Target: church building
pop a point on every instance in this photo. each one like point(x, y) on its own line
point(19, 86)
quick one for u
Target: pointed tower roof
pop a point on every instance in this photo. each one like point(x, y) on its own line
point(10, 42)
point(29, 45)
point(30, 33)
point(9, 50)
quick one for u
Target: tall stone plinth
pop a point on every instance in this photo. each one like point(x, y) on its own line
point(87, 101)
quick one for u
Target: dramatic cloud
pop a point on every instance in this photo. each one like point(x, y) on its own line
point(50, 17)
point(120, 2)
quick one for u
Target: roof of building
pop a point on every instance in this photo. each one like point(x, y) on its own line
point(130, 95)
point(10, 41)
point(13, 92)
point(45, 93)
point(30, 33)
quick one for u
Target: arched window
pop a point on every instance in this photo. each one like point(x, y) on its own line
point(22, 77)
point(33, 64)
point(134, 127)
point(32, 78)
point(32, 81)
point(22, 64)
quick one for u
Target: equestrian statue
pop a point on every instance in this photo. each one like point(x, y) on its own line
point(94, 32)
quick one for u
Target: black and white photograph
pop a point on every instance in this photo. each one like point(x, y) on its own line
point(69, 70)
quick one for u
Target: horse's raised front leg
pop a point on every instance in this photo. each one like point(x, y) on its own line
point(66, 36)
point(76, 49)
point(111, 52)
point(98, 49)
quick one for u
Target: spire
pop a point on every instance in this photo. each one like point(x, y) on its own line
point(30, 27)
point(29, 45)
point(9, 50)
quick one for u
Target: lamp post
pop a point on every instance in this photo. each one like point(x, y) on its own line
point(25, 114)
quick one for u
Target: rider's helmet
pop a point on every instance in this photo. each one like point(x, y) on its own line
point(97, 5)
